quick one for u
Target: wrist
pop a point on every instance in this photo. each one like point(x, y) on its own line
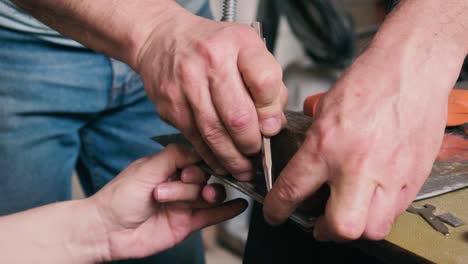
point(165, 23)
point(88, 241)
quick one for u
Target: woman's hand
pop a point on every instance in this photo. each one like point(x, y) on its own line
point(157, 202)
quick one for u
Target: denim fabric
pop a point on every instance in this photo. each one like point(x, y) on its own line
point(64, 108)
point(15, 18)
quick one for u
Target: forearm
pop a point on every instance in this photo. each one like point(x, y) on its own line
point(117, 28)
point(67, 232)
point(436, 20)
point(425, 40)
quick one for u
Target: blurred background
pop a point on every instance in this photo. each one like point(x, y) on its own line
point(313, 40)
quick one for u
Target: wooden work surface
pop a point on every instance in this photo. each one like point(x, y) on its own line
point(411, 232)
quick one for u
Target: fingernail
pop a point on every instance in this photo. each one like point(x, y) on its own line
point(187, 176)
point(270, 125)
point(162, 194)
point(245, 176)
point(212, 195)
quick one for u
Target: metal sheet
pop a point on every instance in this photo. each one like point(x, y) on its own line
point(248, 188)
point(450, 170)
point(449, 173)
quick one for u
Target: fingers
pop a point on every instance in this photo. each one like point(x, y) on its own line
point(204, 151)
point(263, 76)
point(405, 198)
point(211, 193)
point(381, 214)
point(176, 192)
point(205, 217)
point(390, 199)
point(351, 193)
point(284, 103)
point(174, 107)
point(235, 107)
point(214, 133)
point(303, 175)
point(186, 123)
point(170, 192)
point(160, 167)
point(220, 104)
point(347, 208)
point(214, 193)
point(193, 175)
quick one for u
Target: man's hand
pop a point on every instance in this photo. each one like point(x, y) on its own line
point(378, 131)
point(218, 84)
point(214, 81)
point(157, 202)
point(374, 152)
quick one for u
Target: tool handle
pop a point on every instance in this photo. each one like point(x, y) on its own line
point(311, 103)
point(457, 106)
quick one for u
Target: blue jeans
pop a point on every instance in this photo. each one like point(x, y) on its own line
point(62, 109)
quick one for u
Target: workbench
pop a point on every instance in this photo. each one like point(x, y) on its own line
point(413, 239)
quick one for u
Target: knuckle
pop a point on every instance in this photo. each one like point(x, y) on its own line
point(268, 79)
point(242, 32)
point(211, 52)
point(186, 72)
point(240, 121)
point(345, 231)
point(325, 140)
point(164, 90)
point(213, 132)
point(288, 192)
point(329, 130)
point(215, 136)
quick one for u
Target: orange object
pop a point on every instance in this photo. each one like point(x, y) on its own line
point(311, 103)
point(457, 106)
point(454, 148)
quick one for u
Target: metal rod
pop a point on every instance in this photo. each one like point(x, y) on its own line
point(229, 10)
